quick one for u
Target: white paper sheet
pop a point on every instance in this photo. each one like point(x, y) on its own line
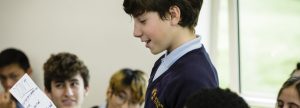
point(30, 95)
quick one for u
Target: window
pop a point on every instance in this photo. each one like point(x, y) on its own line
point(254, 45)
point(258, 46)
point(269, 39)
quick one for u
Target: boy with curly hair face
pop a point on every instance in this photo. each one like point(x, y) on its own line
point(66, 80)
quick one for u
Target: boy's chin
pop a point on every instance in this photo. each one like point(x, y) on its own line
point(68, 107)
point(155, 52)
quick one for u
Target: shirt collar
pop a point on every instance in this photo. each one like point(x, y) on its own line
point(173, 56)
point(181, 50)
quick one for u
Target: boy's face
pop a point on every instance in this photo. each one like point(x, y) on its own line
point(289, 98)
point(155, 32)
point(121, 100)
point(69, 93)
point(10, 74)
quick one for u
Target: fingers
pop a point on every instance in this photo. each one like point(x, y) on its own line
point(12, 104)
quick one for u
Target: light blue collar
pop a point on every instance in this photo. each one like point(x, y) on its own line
point(169, 59)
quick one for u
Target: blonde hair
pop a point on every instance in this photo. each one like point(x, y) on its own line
point(133, 79)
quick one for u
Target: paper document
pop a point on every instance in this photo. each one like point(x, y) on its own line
point(30, 95)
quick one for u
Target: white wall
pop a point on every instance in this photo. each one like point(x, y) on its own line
point(98, 31)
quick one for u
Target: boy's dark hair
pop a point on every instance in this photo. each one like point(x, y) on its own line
point(216, 98)
point(297, 68)
point(292, 81)
point(189, 9)
point(64, 66)
point(14, 56)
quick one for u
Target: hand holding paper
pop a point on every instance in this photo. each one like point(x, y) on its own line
point(29, 95)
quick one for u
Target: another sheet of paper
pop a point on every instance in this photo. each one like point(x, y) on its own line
point(30, 95)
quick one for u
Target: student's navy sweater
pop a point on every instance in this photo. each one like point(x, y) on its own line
point(190, 73)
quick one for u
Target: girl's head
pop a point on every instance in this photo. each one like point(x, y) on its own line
point(289, 94)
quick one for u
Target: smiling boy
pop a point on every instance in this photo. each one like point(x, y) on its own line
point(169, 25)
point(66, 80)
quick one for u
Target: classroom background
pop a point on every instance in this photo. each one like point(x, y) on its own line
point(254, 44)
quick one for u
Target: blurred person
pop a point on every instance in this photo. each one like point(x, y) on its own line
point(289, 94)
point(13, 65)
point(126, 89)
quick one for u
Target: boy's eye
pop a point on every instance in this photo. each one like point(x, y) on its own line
point(122, 96)
point(13, 76)
point(59, 85)
point(74, 83)
point(143, 21)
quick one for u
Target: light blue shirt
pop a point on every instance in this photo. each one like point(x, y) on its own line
point(169, 59)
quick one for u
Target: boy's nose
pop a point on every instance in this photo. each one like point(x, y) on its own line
point(125, 105)
point(68, 91)
point(136, 31)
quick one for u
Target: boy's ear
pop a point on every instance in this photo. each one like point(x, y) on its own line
point(29, 71)
point(108, 95)
point(109, 92)
point(47, 93)
point(86, 90)
point(175, 14)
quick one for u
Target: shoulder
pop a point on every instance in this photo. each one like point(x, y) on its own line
point(197, 55)
point(194, 61)
point(195, 67)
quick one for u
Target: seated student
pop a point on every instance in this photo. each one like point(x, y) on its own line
point(13, 65)
point(296, 72)
point(66, 80)
point(216, 98)
point(126, 89)
point(289, 94)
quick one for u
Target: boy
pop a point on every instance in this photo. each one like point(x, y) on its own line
point(66, 80)
point(13, 65)
point(185, 67)
point(126, 89)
